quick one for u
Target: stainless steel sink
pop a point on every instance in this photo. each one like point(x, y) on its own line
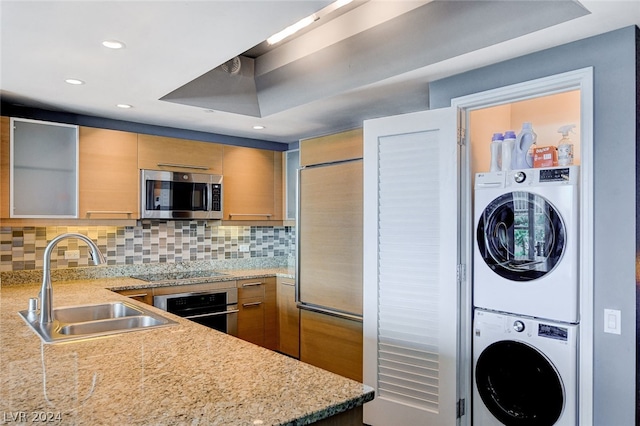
point(87, 321)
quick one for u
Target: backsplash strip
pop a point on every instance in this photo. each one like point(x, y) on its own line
point(149, 242)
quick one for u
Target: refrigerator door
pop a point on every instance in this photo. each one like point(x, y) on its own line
point(330, 238)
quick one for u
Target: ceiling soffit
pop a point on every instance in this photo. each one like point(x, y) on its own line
point(431, 33)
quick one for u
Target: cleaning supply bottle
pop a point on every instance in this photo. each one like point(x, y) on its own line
point(565, 146)
point(507, 149)
point(522, 157)
point(496, 145)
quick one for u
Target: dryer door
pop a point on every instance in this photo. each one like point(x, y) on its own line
point(519, 385)
point(521, 236)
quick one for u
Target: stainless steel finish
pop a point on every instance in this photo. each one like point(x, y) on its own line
point(33, 304)
point(88, 321)
point(234, 310)
point(246, 305)
point(231, 310)
point(46, 292)
point(253, 284)
point(518, 326)
point(332, 312)
point(129, 213)
point(161, 301)
point(148, 212)
point(184, 166)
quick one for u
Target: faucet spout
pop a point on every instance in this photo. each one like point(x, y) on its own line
point(46, 291)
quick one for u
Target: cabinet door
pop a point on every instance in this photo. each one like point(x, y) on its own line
point(5, 142)
point(331, 343)
point(252, 184)
point(141, 295)
point(108, 174)
point(161, 153)
point(331, 148)
point(44, 169)
point(288, 319)
point(251, 320)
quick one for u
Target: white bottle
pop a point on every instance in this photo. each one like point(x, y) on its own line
point(565, 146)
point(522, 157)
point(496, 145)
point(507, 149)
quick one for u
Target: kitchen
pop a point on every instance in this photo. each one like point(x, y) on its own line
point(616, 397)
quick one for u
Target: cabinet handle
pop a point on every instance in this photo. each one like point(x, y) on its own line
point(252, 284)
point(184, 166)
point(108, 212)
point(136, 295)
point(250, 214)
point(246, 305)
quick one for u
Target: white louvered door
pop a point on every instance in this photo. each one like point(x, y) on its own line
point(410, 264)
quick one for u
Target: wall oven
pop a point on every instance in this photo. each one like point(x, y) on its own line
point(217, 309)
point(180, 195)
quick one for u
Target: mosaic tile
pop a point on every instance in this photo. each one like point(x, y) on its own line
point(22, 248)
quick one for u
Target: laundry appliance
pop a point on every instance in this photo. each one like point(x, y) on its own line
point(526, 242)
point(524, 371)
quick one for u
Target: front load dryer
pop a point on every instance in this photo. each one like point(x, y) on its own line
point(524, 371)
point(526, 242)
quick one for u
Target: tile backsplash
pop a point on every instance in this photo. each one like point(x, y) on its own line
point(149, 242)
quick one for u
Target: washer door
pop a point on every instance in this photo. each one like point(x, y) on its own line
point(521, 236)
point(519, 385)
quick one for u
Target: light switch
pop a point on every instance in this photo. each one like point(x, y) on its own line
point(612, 321)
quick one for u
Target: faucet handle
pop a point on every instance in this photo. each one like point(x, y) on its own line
point(33, 304)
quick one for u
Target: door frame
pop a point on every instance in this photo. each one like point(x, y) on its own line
point(582, 80)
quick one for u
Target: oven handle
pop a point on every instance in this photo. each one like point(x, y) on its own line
point(230, 311)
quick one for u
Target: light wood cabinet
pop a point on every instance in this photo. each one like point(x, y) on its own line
point(331, 343)
point(171, 154)
point(257, 316)
point(144, 295)
point(252, 184)
point(288, 318)
point(331, 148)
point(5, 142)
point(109, 176)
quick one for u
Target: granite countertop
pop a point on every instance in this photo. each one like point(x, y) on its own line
point(184, 374)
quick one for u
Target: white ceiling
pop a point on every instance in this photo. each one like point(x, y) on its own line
point(375, 59)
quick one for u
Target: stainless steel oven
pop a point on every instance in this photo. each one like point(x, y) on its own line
point(217, 309)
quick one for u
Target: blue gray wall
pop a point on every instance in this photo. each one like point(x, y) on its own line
point(614, 59)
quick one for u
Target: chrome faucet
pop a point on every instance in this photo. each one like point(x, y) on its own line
point(46, 292)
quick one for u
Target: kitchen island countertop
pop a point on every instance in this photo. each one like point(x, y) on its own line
point(183, 374)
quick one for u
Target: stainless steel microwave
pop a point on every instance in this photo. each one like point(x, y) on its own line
point(180, 195)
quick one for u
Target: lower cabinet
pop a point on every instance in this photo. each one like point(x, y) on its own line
point(141, 295)
point(288, 318)
point(257, 317)
point(332, 343)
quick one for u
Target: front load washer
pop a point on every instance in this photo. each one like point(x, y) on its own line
point(524, 371)
point(526, 242)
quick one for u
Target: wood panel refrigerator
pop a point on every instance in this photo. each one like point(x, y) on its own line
point(329, 275)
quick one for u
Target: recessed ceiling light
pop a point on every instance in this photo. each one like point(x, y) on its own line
point(258, 127)
point(113, 44)
point(124, 106)
point(74, 81)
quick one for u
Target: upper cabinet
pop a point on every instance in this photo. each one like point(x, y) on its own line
point(108, 174)
point(161, 153)
point(43, 166)
point(252, 184)
point(331, 148)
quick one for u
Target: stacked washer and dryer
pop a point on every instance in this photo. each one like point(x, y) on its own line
point(526, 297)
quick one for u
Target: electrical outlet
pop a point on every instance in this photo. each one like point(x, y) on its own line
point(72, 254)
point(244, 248)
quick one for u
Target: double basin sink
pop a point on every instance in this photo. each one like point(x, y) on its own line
point(87, 321)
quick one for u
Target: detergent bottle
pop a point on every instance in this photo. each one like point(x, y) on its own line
point(507, 149)
point(565, 146)
point(496, 152)
point(522, 157)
